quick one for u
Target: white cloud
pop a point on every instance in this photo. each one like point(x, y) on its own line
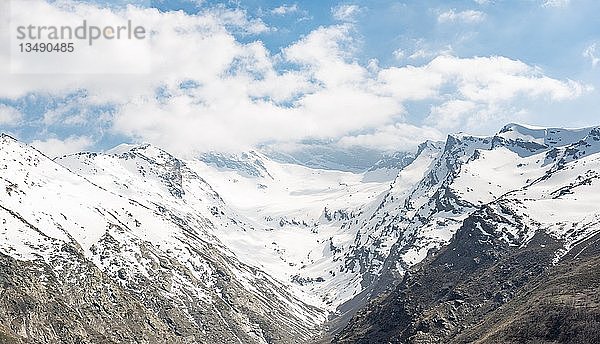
point(590, 53)
point(420, 53)
point(97, 59)
point(331, 95)
point(326, 54)
point(411, 83)
point(53, 147)
point(468, 16)
point(9, 116)
point(424, 50)
point(285, 9)
point(197, 3)
point(494, 79)
point(399, 54)
point(243, 99)
point(239, 20)
point(556, 3)
point(450, 114)
point(393, 137)
point(471, 93)
point(345, 12)
point(373, 66)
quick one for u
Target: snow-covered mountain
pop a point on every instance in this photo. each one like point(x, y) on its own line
point(491, 217)
point(247, 248)
point(302, 220)
point(131, 234)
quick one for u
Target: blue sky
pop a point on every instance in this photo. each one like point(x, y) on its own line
point(549, 34)
point(382, 74)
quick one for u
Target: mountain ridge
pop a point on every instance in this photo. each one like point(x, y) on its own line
point(246, 248)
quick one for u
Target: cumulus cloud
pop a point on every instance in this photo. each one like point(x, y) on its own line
point(449, 114)
point(238, 20)
point(468, 16)
point(221, 94)
point(54, 147)
point(424, 50)
point(474, 92)
point(9, 116)
point(285, 9)
point(488, 88)
point(329, 97)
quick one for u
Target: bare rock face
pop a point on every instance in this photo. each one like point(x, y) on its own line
point(518, 268)
point(82, 264)
point(466, 295)
point(476, 239)
point(79, 305)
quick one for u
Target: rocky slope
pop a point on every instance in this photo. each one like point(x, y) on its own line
point(521, 203)
point(84, 262)
point(444, 244)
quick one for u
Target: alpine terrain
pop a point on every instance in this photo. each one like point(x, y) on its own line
point(476, 239)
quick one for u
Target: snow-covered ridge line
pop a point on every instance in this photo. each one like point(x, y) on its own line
point(297, 239)
point(142, 234)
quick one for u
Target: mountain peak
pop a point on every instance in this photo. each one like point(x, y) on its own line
point(122, 148)
point(6, 136)
point(146, 149)
point(551, 137)
point(520, 127)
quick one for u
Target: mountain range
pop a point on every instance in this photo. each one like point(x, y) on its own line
point(474, 239)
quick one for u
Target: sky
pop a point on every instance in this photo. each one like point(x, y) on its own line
point(232, 75)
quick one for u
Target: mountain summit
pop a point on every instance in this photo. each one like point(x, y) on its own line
point(478, 238)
